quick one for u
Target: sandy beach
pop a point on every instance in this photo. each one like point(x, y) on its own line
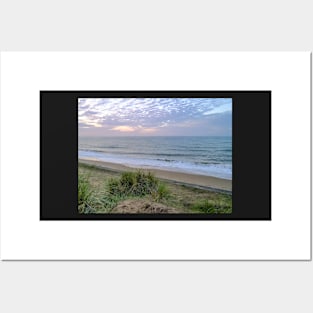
point(179, 177)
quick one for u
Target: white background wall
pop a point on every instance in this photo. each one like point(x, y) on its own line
point(151, 286)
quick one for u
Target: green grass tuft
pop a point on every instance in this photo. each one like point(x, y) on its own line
point(137, 184)
point(84, 194)
point(212, 206)
point(132, 184)
point(161, 193)
point(84, 191)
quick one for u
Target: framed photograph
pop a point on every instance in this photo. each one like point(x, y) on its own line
point(155, 156)
point(160, 155)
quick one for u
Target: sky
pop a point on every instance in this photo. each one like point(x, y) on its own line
point(155, 116)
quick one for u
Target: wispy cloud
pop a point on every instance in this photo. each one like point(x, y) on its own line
point(123, 128)
point(149, 115)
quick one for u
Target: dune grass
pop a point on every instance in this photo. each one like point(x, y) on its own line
point(85, 194)
point(100, 190)
point(211, 206)
point(137, 184)
point(101, 198)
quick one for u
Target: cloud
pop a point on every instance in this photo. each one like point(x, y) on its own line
point(123, 128)
point(148, 130)
point(148, 115)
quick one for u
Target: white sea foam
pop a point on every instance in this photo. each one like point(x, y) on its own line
point(216, 170)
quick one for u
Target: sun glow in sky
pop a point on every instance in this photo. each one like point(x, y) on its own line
point(155, 116)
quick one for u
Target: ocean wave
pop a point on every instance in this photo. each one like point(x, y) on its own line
point(221, 170)
point(126, 152)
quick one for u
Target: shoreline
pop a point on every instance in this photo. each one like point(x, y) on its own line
point(196, 180)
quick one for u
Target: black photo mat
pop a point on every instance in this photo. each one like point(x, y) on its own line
point(251, 154)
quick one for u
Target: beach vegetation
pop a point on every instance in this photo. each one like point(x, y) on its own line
point(84, 193)
point(137, 184)
point(212, 206)
point(161, 193)
point(101, 191)
point(91, 201)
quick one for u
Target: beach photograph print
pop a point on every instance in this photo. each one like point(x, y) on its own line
point(155, 156)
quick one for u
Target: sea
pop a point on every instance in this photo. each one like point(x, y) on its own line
point(210, 156)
